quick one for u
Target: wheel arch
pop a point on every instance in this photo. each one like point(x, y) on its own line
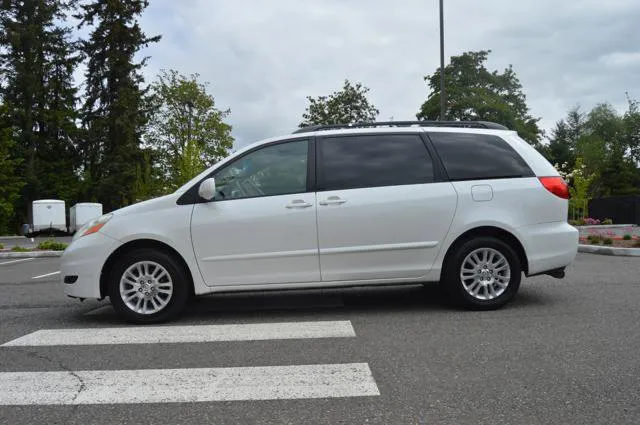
point(493, 231)
point(137, 244)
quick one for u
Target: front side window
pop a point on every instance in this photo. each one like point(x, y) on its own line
point(350, 162)
point(279, 169)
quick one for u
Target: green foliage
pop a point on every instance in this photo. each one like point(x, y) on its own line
point(37, 60)
point(115, 110)
point(561, 149)
point(10, 180)
point(608, 241)
point(1, 246)
point(594, 239)
point(347, 106)
point(18, 248)
point(627, 237)
point(475, 93)
point(52, 245)
point(607, 221)
point(186, 131)
point(606, 144)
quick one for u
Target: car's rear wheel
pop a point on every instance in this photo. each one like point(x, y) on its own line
point(483, 273)
point(148, 286)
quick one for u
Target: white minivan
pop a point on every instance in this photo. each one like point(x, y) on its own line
point(469, 204)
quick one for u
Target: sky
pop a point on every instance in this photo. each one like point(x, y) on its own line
point(263, 58)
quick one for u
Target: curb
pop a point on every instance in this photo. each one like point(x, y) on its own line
point(603, 250)
point(36, 254)
point(12, 237)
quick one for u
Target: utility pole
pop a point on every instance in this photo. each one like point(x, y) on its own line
point(443, 94)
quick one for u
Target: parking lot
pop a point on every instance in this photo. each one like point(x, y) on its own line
point(565, 351)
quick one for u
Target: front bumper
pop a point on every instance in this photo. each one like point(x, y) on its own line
point(84, 258)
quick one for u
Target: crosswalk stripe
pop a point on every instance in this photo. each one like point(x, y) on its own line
point(182, 334)
point(187, 385)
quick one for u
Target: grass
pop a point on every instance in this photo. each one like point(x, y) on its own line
point(52, 245)
point(627, 237)
point(20, 249)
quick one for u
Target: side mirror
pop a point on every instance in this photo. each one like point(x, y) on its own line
point(207, 189)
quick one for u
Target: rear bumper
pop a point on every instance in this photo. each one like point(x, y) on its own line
point(84, 258)
point(549, 246)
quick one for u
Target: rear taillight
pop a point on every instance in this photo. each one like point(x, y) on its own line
point(556, 185)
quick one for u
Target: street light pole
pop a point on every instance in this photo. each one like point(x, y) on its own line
point(443, 95)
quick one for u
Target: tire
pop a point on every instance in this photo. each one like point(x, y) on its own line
point(489, 283)
point(151, 280)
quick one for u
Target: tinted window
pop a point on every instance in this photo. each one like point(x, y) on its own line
point(273, 170)
point(378, 160)
point(478, 156)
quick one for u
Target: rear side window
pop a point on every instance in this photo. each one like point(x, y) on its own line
point(351, 162)
point(478, 156)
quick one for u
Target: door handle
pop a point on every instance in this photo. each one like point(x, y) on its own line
point(299, 203)
point(333, 200)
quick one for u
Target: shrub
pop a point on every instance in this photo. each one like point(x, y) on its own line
point(20, 249)
point(591, 221)
point(608, 241)
point(594, 239)
point(52, 245)
point(1, 246)
point(627, 237)
point(607, 221)
point(637, 244)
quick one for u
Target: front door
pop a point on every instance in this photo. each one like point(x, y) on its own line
point(261, 226)
point(381, 212)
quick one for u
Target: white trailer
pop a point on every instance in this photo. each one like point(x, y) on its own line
point(82, 213)
point(49, 214)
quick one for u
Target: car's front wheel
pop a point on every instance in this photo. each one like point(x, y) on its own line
point(483, 273)
point(148, 286)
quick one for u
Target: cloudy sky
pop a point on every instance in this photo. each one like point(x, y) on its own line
point(262, 58)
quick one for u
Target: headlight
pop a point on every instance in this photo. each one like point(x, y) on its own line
point(93, 226)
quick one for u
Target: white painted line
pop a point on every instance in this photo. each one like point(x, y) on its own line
point(187, 385)
point(16, 261)
point(182, 334)
point(98, 311)
point(45, 275)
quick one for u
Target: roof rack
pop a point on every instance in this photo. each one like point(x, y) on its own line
point(457, 124)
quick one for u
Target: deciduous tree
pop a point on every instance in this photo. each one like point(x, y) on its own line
point(186, 130)
point(347, 106)
point(475, 93)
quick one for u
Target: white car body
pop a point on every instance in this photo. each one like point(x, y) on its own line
point(365, 236)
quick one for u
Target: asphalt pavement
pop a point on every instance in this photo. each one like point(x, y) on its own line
point(565, 351)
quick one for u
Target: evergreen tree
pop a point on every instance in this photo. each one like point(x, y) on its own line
point(116, 109)
point(10, 181)
point(37, 59)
